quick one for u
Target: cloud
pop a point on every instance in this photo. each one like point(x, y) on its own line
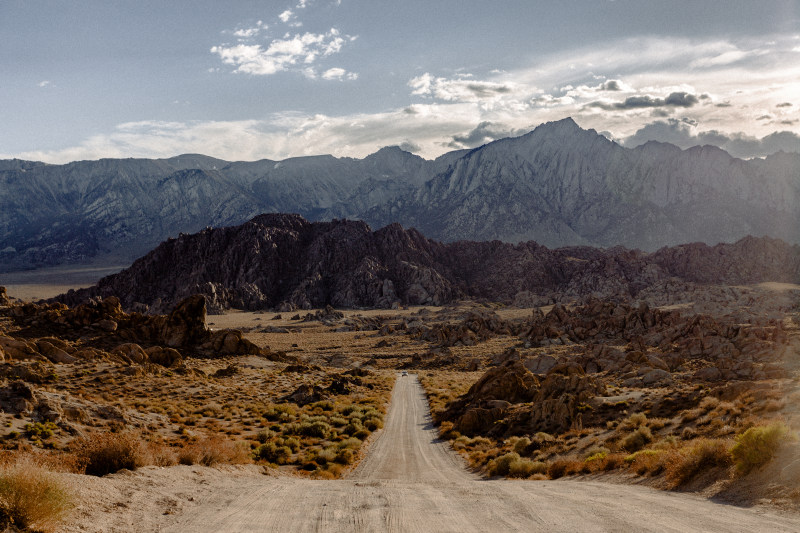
point(685, 134)
point(286, 16)
point(409, 146)
point(295, 52)
point(340, 74)
point(784, 104)
point(461, 89)
point(483, 133)
point(675, 99)
point(611, 85)
point(44, 83)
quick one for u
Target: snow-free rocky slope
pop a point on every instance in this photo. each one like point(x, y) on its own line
point(558, 185)
point(286, 262)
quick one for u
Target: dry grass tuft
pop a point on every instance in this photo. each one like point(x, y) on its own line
point(31, 498)
point(106, 453)
point(683, 464)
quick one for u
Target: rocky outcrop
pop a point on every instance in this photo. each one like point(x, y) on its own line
point(285, 262)
point(101, 329)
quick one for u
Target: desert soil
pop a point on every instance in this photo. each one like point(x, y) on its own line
point(409, 481)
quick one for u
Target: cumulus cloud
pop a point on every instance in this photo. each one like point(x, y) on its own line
point(286, 16)
point(340, 74)
point(43, 83)
point(290, 53)
point(685, 134)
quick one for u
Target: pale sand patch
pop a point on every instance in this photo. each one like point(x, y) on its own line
point(42, 283)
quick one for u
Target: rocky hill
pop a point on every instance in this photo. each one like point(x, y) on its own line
point(285, 262)
point(559, 185)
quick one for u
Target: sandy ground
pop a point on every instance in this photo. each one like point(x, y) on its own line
point(34, 285)
point(409, 481)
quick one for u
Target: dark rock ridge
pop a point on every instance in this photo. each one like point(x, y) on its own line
point(284, 262)
point(559, 185)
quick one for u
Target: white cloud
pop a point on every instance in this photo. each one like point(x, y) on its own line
point(288, 53)
point(44, 83)
point(286, 16)
point(461, 89)
point(337, 73)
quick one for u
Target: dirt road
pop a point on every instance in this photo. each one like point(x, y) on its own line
point(411, 482)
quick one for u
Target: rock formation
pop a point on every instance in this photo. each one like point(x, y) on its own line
point(284, 262)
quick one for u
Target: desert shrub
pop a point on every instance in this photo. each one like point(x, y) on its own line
point(502, 465)
point(214, 450)
point(324, 405)
point(481, 443)
point(41, 430)
point(523, 468)
point(611, 461)
point(563, 467)
point(521, 445)
point(292, 443)
point(337, 421)
point(160, 455)
point(345, 456)
point(351, 443)
point(447, 432)
point(106, 453)
point(647, 461)
point(273, 453)
point(634, 421)
point(353, 427)
point(461, 443)
point(316, 428)
point(328, 455)
point(683, 464)
point(708, 403)
point(758, 445)
point(596, 452)
point(637, 439)
point(372, 423)
point(31, 498)
point(690, 415)
point(361, 434)
point(264, 435)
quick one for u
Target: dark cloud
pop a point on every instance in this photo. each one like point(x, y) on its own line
point(410, 146)
point(483, 133)
point(410, 111)
point(724, 104)
point(610, 85)
point(764, 117)
point(681, 99)
point(483, 90)
point(676, 99)
point(784, 104)
point(683, 133)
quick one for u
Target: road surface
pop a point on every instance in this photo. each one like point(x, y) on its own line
point(412, 482)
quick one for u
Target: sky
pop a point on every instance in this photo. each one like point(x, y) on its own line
point(249, 80)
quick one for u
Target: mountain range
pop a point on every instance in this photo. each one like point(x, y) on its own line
point(559, 185)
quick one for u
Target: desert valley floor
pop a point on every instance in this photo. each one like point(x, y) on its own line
point(538, 424)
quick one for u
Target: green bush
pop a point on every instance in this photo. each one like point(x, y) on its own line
point(758, 445)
